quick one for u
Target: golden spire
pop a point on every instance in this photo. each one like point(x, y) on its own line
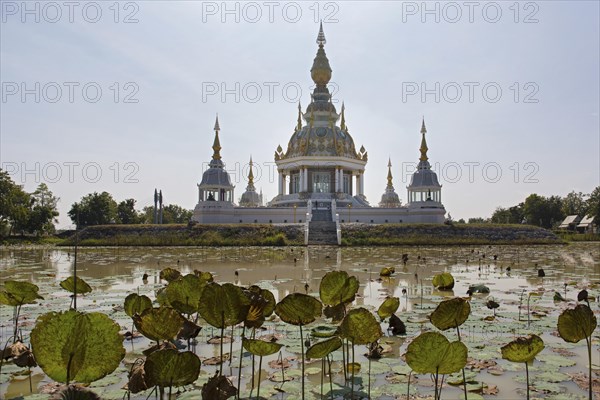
point(299, 126)
point(343, 121)
point(217, 144)
point(389, 176)
point(250, 174)
point(321, 71)
point(312, 116)
point(423, 148)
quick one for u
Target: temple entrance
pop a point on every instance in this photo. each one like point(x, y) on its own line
point(321, 182)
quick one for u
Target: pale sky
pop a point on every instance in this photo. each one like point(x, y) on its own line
point(509, 92)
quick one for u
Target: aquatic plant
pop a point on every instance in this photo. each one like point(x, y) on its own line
point(523, 349)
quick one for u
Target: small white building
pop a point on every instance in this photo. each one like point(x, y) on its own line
point(320, 174)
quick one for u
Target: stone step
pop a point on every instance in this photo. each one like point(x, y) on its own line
point(322, 233)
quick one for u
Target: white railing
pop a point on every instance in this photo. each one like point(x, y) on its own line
point(308, 219)
point(338, 229)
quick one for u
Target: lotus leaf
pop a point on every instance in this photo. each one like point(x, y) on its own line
point(218, 387)
point(262, 304)
point(450, 313)
point(323, 331)
point(168, 367)
point(443, 281)
point(204, 276)
point(323, 348)
point(576, 324)
point(161, 323)
point(136, 304)
point(388, 307)
point(75, 346)
point(169, 274)
point(82, 286)
point(298, 309)
point(360, 327)
point(17, 293)
point(522, 349)
point(223, 305)
point(184, 293)
point(431, 353)
point(75, 392)
point(260, 347)
point(337, 287)
point(385, 272)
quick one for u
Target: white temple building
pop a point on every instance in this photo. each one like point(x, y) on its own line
point(321, 175)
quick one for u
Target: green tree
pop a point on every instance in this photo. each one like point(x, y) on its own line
point(543, 211)
point(477, 220)
point(15, 205)
point(126, 212)
point(94, 209)
point(592, 204)
point(172, 214)
point(43, 211)
point(574, 204)
point(511, 215)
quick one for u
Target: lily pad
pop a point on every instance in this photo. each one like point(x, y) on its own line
point(82, 286)
point(450, 313)
point(169, 274)
point(162, 323)
point(576, 324)
point(443, 281)
point(388, 307)
point(260, 347)
point(75, 346)
point(360, 327)
point(338, 287)
point(298, 309)
point(323, 348)
point(431, 353)
point(17, 293)
point(136, 304)
point(169, 367)
point(523, 349)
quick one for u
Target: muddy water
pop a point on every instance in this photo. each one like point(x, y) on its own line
point(115, 272)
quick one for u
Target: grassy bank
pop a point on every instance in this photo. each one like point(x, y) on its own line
point(578, 237)
point(459, 234)
point(184, 235)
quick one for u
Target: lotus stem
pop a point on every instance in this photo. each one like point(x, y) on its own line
point(527, 378)
point(231, 346)
point(322, 375)
point(588, 341)
point(222, 333)
point(369, 374)
point(302, 347)
point(463, 370)
point(258, 386)
point(408, 386)
point(352, 383)
point(344, 362)
point(239, 382)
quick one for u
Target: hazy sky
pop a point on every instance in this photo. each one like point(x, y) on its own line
point(122, 97)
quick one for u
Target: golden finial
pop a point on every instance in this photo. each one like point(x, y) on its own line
point(423, 148)
point(299, 126)
point(343, 121)
point(389, 176)
point(312, 116)
point(250, 174)
point(321, 37)
point(217, 144)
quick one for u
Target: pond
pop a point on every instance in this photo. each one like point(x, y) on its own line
point(510, 272)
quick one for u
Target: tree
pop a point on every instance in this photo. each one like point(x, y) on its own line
point(477, 220)
point(573, 204)
point(543, 211)
point(94, 209)
point(15, 205)
point(511, 215)
point(126, 212)
point(43, 213)
point(172, 214)
point(592, 204)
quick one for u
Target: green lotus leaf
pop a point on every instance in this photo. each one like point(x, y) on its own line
point(450, 313)
point(206, 277)
point(223, 305)
point(360, 327)
point(17, 293)
point(323, 348)
point(136, 304)
point(337, 287)
point(298, 309)
point(385, 272)
point(522, 349)
point(162, 323)
point(576, 324)
point(260, 347)
point(431, 353)
point(388, 307)
point(323, 331)
point(443, 281)
point(82, 286)
point(165, 368)
point(87, 344)
point(184, 293)
point(169, 274)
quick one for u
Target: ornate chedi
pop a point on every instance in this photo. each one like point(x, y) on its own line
point(424, 189)
point(390, 198)
point(250, 198)
point(320, 161)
